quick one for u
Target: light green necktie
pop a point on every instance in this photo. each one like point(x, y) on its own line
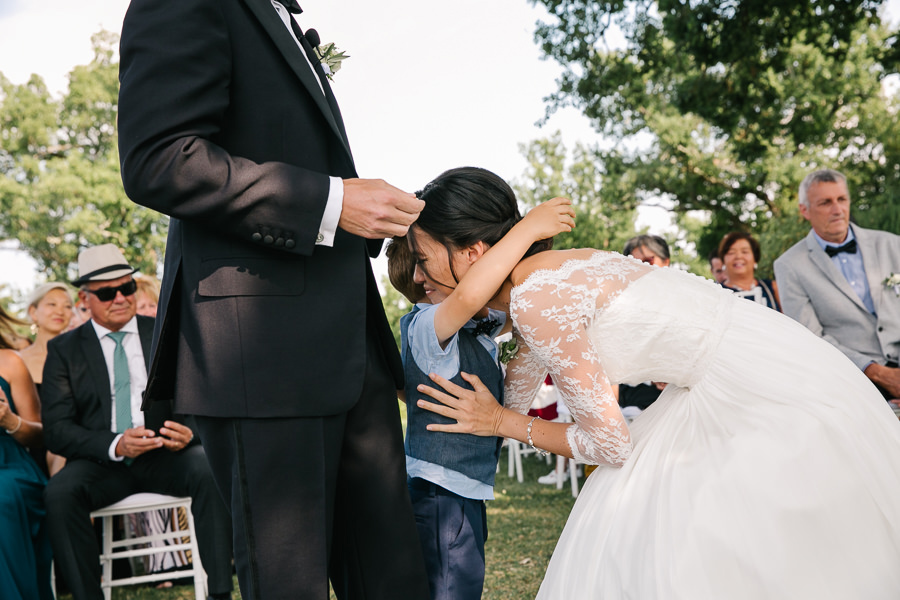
point(122, 383)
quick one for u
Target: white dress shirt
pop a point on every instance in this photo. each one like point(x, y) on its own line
point(332, 215)
point(137, 372)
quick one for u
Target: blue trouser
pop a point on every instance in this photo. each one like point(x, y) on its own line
point(452, 531)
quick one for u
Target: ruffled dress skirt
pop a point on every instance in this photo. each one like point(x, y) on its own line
point(774, 475)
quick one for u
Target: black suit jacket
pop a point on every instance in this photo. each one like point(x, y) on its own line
point(223, 126)
point(76, 403)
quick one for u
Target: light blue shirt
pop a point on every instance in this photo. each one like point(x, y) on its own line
point(852, 267)
point(431, 358)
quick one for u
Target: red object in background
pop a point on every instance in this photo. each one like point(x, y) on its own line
point(548, 413)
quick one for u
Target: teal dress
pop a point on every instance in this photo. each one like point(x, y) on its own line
point(25, 555)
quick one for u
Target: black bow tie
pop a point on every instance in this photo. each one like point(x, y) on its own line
point(292, 6)
point(849, 247)
point(486, 326)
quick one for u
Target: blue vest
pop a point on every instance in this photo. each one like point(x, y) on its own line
point(474, 456)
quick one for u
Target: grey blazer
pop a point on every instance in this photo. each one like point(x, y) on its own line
point(815, 293)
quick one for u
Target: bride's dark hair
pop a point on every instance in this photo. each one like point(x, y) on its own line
point(467, 205)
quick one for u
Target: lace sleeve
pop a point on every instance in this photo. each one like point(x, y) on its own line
point(552, 320)
point(524, 375)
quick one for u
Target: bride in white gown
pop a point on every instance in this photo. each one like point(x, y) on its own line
point(768, 469)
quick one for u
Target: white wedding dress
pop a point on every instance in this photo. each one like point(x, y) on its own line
point(768, 469)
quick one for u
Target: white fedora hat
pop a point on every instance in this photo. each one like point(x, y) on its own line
point(101, 263)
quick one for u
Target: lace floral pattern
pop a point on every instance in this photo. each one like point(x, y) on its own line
point(552, 311)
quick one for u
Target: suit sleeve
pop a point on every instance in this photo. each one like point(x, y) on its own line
point(175, 75)
point(64, 433)
point(796, 303)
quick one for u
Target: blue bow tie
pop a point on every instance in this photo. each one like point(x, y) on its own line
point(849, 247)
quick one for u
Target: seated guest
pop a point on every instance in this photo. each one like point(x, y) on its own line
point(147, 295)
point(740, 253)
point(654, 250)
point(94, 377)
point(650, 249)
point(640, 395)
point(835, 281)
point(50, 311)
point(716, 266)
point(25, 555)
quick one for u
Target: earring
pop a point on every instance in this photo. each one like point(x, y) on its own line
point(33, 329)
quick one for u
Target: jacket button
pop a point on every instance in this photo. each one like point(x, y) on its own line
point(880, 328)
point(268, 239)
point(279, 242)
point(289, 244)
point(320, 238)
point(256, 236)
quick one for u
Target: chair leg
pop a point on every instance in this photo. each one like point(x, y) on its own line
point(560, 464)
point(106, 523)
point(573, 477)
point(520, 475)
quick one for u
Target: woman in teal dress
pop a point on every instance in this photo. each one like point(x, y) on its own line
point(25, 555)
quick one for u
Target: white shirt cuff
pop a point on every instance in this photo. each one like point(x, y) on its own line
point(332, 215)
point(112, 449)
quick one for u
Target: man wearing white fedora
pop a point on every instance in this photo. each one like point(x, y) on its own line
point(94, 377)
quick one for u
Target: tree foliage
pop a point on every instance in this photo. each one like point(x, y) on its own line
point(395, 306)
point(724, 106)
point(605, 210)
point(60, 187)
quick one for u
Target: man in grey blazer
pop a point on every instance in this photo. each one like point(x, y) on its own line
point(833, 281)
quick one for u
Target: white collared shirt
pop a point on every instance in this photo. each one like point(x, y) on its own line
point(137, 372)
point(332, 215)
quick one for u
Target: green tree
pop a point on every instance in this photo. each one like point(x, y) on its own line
point(723, 106)
point(605, 206)
point(60, 187)
point(395, 306)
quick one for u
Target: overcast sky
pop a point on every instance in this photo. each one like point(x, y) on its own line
point(428, 85)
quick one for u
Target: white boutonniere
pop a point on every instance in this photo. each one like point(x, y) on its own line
point(331, 59)
point(508, 350)
point(893, 282)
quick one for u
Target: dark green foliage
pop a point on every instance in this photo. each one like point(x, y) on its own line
point(724, 106)
point(60, 187)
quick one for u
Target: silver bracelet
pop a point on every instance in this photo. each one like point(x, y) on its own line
point(531, 441)
point(17, 427)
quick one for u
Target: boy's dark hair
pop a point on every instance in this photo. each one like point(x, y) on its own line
point(467, 205)
point(401, 264)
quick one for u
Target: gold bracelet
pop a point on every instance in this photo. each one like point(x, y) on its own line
point(531, 441)
point(17, 427)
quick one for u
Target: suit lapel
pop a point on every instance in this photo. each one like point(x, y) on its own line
point(287, 46)
point(821, 260)
point(874, 273)
point(96, 365)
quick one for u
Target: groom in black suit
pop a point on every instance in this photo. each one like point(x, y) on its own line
point(271, 329)
point(91, 394)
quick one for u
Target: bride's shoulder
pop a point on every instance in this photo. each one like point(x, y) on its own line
point(553, 260)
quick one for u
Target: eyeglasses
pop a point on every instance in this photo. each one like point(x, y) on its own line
point(105, 294)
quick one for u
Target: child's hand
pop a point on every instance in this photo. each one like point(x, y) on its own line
point(550, 218)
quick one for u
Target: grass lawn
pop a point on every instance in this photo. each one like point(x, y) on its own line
point(524, 523)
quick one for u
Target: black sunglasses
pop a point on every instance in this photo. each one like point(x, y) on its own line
point(105, 294)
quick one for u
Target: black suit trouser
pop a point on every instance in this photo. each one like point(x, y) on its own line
point(84, 485)
point(305, 489)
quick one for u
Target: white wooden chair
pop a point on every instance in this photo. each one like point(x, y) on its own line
point(517, 450)
point(110, 548)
